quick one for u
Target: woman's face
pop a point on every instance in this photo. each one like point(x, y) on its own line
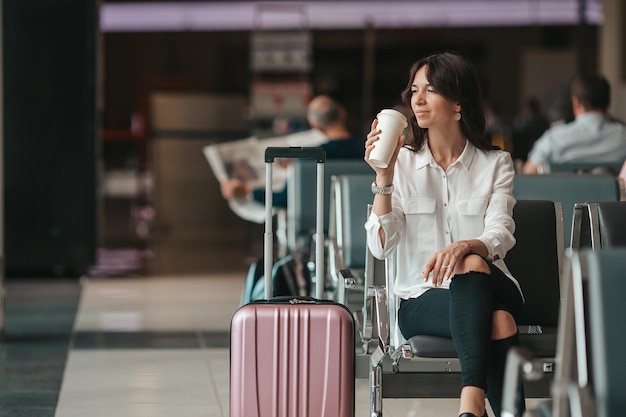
point(430, 108)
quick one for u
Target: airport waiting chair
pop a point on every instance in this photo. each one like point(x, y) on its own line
point(427, 366)
point(591, 341)
point(351, 199)
point(571, 354)
point(301, 195)
point(607, 286)
point(350, 266)
point(350, 196)
point(301, 199)
point(595, 226)
point(599, 225)
point(568, 189)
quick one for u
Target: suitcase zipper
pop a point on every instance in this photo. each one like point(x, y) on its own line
point(299, 301)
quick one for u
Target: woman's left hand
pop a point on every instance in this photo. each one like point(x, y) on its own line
point(443, 262)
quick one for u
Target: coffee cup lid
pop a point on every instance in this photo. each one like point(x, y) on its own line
point(395, 113)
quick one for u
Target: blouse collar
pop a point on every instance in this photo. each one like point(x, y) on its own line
point(465, 159)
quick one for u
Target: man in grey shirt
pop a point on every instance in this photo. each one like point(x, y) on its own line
point(593, 136)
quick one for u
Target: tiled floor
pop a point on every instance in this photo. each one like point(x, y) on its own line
point(39, 318)
point(136, 346)
point(158, 346)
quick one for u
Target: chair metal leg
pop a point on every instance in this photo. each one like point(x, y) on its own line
point(368, 316)
point(519, 365)
point(376, 383)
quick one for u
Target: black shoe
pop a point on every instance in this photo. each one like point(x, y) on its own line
point(472, 415)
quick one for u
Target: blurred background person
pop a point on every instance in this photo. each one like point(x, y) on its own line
point(593, 136)
point(528, 126)
point(328, 116)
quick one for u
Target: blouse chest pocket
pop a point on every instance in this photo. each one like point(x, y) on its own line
point(421, 223)
point(471, 217)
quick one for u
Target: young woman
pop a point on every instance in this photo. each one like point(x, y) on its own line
point(445, 205)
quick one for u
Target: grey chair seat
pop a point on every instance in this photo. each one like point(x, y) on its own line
point(432, 347)
point(542, 345)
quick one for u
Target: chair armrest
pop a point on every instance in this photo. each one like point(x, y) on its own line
point(349, 280)
point(382, 317)
point(335, 264)
point(363, 319)
point(519, 364)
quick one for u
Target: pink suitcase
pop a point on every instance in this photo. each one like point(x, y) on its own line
point(292, 356)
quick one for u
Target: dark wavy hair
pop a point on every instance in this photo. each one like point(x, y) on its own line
point(455, 78)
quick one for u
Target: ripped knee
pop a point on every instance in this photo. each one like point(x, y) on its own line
point(472, 263)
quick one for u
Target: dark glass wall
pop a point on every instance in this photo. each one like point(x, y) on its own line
point(50, 136)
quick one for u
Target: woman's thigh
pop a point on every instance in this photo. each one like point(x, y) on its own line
point(428, 314)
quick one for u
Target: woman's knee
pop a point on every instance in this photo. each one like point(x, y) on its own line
point(503, 325)
point(472, 263)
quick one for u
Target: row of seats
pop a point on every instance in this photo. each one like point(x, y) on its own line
point(566, 188)
point(426, 366)
point(591, 340)
point(612, 168)
point(569, 189)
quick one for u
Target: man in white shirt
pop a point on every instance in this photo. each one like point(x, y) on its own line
point(593, 137)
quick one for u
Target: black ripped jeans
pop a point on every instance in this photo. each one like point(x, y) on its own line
point(464, 313)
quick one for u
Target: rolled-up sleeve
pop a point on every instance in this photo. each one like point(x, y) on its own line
point(391, 224)
point(499, 225)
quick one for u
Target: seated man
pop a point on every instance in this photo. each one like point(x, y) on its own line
point(593, 136)
point(326, 115)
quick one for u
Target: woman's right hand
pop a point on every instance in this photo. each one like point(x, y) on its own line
point(384, 176)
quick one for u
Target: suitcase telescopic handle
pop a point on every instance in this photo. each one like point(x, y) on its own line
point(297, 152)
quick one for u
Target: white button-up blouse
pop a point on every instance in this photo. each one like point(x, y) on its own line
point(432, 208)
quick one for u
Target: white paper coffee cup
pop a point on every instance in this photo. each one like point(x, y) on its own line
point(391, 124)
